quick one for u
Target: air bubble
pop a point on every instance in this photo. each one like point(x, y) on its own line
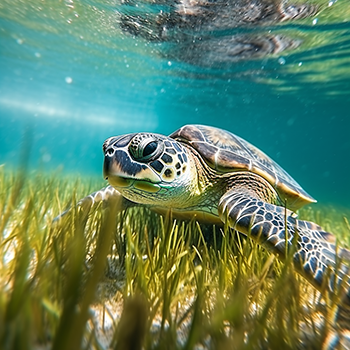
point(315, 21)
point(69, 80)
point(290, 121)
point(46, 157)
point(281, 61)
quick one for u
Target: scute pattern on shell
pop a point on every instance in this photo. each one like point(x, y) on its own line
point(226, 152)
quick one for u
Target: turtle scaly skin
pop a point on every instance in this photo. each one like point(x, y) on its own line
point(216, 177)
point(274, 227)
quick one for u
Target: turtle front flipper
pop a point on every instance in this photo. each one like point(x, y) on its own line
point(104, 195)
point(315, 253)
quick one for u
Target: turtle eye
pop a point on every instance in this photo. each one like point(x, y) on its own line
point(144, 148)
point(149, 149)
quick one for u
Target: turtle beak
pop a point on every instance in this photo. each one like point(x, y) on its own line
point(107, 166)
point(110, 149)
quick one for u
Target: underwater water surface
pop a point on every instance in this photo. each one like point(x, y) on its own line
point(75, 72)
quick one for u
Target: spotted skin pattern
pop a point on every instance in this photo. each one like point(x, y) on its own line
point(170, 163)
point(228, 153)
point(243, 205)
point(315, 250)
point(201, 170)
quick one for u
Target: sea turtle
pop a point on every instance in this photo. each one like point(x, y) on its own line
point(216, 177)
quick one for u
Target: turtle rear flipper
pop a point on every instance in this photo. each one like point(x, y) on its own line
point(314, 251)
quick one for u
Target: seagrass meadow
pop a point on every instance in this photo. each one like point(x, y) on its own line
point(136, 280)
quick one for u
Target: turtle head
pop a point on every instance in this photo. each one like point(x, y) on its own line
point(148, 168)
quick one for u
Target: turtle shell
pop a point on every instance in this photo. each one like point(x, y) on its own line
point(227, 153)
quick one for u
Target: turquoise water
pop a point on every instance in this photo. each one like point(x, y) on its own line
point(71, 76)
